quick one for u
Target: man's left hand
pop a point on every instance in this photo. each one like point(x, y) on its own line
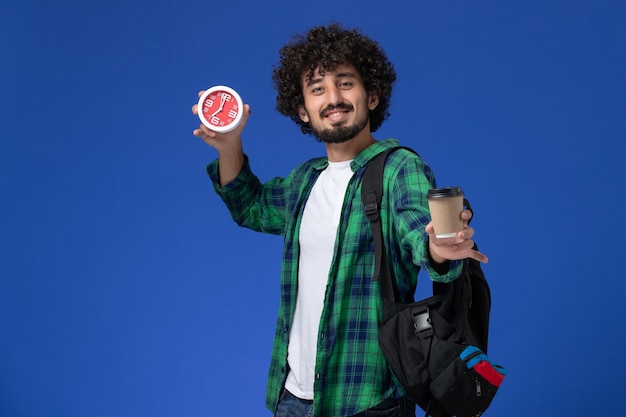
point(453, 248)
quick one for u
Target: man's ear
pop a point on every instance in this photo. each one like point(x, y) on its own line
point(373, 100)
point(304, 116)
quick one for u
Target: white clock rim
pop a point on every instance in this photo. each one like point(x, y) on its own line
point(238, 118)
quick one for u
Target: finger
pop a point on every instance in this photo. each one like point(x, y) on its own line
point(199, 133)
point(194, 108)
point(479, 256)
point(207, 132)
point(204, 133)
point(246, 115)
point(465, 245)
point(466, 215)
point(466, 233)
point(208, 138)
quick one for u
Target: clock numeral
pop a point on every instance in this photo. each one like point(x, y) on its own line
point(208, 102)
point(232, 114)
point(215, 120)
point(226, 97)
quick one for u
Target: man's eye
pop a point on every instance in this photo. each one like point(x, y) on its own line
point(346, 84)
point(317, 90)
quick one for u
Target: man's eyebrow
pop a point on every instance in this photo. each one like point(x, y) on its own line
point(310, 81)
point(346, 75)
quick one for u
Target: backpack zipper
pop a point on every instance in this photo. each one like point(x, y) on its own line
point(479, 390)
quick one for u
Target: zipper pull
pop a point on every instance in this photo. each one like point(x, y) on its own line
point(479, 391)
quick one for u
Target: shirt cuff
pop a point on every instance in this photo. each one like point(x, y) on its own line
point(446, 272)
point(236, 184)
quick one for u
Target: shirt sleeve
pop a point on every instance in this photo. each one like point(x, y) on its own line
point(413, 179)
point(257, 206)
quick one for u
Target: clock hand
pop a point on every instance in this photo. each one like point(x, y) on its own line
point(222, 101)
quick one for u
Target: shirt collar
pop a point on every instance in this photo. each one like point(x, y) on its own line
point(371, 151)
point(363, 158)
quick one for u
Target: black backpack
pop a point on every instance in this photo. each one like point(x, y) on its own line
point(436, 347)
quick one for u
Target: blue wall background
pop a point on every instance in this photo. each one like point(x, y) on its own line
point(125, 288)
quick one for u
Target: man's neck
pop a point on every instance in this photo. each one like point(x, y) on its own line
point(346, 151)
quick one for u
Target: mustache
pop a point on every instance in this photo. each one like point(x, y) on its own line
point(340, 106)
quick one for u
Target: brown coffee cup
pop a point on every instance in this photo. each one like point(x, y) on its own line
point(446, 205)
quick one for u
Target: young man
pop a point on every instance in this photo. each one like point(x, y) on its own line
point(336, 85)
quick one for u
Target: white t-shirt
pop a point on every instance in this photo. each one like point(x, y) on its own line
point(318, 232)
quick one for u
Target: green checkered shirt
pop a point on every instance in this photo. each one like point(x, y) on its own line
point(351, 372)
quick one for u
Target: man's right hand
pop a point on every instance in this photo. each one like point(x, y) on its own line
point(220, 141)
point(228, 145)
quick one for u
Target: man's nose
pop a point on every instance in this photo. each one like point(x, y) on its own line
point(333, 95)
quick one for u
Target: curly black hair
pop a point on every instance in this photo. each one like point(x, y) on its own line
point(326, 48)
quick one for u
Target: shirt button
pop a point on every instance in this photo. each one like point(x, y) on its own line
point(317, 376)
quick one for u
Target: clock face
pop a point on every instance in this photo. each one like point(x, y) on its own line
point(220, 108)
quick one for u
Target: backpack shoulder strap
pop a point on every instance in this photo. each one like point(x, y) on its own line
point(371, 195)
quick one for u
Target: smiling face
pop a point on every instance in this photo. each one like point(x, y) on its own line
point(336, 104)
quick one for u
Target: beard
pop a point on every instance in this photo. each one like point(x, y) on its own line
point(340, 132)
